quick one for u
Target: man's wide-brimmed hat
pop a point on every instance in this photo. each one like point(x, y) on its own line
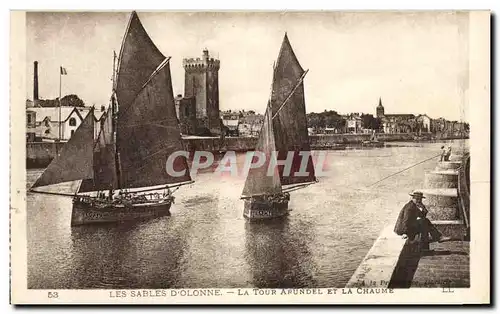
point(417, 193)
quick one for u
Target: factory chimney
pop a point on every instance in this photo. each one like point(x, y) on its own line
point(35, 82)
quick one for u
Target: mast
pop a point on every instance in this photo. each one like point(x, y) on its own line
point(114, 71)
point(114, 116)
point(60, 87)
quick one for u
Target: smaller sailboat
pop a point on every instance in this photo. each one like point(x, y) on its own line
point(124, 172)
point(283, 137)
point(373, 141)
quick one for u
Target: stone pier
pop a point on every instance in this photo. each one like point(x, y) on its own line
point(396, 263)
point(441, 192)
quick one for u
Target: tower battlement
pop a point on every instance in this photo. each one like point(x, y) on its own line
point(206, 62)
point(200, 64)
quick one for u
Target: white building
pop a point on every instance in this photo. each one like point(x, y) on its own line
point(425, 122)
point(354, 124)
point(44, 122)
point(231, 125)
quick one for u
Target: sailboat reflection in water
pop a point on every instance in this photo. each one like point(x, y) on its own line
point(123, 171)
point(283, 143)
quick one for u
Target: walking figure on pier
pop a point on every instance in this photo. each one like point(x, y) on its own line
point(443, 153)
point(412, 221)
point(447, 154)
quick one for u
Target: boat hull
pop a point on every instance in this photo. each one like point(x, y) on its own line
point(90, 214)
point(373, 144)
point(256, 209)
point(329, 147)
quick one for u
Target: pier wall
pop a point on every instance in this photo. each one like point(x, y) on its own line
point(238, 144)
point(393, 262)
point(40, 154)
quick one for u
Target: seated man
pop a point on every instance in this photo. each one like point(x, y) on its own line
point(412, 221)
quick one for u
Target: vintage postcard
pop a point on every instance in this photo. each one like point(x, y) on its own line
point(320, 157)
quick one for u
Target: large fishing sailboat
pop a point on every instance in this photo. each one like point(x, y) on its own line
point(283, 138)
point(123, 171)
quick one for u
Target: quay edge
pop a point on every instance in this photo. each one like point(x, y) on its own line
point(393, 262)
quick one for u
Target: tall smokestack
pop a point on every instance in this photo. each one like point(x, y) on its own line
point(35, 82)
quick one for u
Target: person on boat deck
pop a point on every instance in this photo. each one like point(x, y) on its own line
point(447, 154)
point(443, 153)
point(412, 220)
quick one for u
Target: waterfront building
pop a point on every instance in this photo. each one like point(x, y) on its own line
point(354, 123)
point(42, 123)
point(399, 123)
point(438, 125)
point(202, 84)
point(230, 122)
point(30, 125)
point(424, 122)
point(46, 122)
point(444, 128)
point(231, 127)
point(396, 123)
point(250, 124)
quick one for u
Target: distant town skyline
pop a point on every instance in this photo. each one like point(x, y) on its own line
point(416, 62)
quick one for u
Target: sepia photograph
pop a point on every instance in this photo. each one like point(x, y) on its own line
point(250, 156)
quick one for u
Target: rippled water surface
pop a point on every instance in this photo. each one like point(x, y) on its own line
point(206, 242)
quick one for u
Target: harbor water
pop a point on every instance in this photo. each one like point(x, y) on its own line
point(207, 242)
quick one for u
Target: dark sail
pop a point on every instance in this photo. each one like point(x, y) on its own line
point(104, 159)
point(148, 132)
point(75, 160)
point(289, 122)
point(139, 57)
point(147, 129)
point(258, 182)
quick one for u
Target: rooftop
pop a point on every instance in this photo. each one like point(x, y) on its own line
point(400, 115)
point(53, 113)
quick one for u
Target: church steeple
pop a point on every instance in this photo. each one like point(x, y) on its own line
point(380, 108)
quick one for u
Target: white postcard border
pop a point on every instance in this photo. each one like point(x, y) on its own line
point(479, 292)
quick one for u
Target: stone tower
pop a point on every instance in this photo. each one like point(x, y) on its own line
point(380, 109)
point(202, 83)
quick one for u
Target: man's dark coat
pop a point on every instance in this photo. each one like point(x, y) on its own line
point(407, 220)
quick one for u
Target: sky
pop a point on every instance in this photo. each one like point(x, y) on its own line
point(416, 62)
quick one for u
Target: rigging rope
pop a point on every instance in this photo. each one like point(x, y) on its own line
point(421, 162)
point(355, 156)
